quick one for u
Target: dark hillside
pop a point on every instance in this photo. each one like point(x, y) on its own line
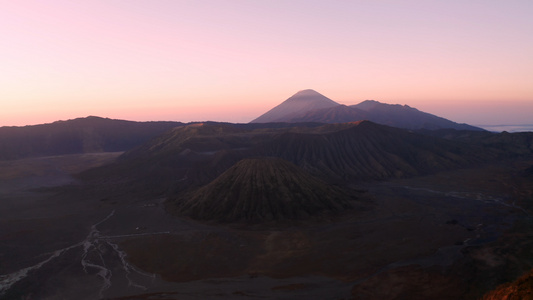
point(83, 135)
point(505, 144)
point(337, 114)
point(404, 116)
point(192, 156)
point(367, 150)
point(261, 189)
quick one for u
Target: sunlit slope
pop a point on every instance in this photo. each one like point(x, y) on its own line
point(301, 102)
point(521, 289)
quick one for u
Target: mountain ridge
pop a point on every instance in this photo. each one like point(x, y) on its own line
point(80, 135)
point(329, 111)
point(404, 116)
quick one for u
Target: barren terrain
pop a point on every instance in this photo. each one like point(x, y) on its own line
point(452, 235)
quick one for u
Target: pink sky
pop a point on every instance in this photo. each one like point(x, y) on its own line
point(468, 61)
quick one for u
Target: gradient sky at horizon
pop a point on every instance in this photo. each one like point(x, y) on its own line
point(469, 61)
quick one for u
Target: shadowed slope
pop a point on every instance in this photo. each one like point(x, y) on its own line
point(82, 135)
point(261, 189)
point(337, 114)
point(366, 150)
point(196, 137)
point(404, 116)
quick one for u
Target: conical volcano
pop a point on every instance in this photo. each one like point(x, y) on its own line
point(301, 102)
point(262, 189)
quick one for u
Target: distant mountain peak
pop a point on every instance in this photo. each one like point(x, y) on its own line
point(310, 106)
point(368, 105)
point(311, 96)
point(307, 92)
point(301, 102)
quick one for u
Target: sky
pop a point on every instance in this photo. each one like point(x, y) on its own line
point(470, 61)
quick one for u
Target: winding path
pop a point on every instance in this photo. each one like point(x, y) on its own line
point(92, 258)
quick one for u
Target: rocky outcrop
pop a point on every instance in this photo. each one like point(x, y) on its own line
point(521, 289)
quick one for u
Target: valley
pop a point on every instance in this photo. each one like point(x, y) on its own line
point(433, 236)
